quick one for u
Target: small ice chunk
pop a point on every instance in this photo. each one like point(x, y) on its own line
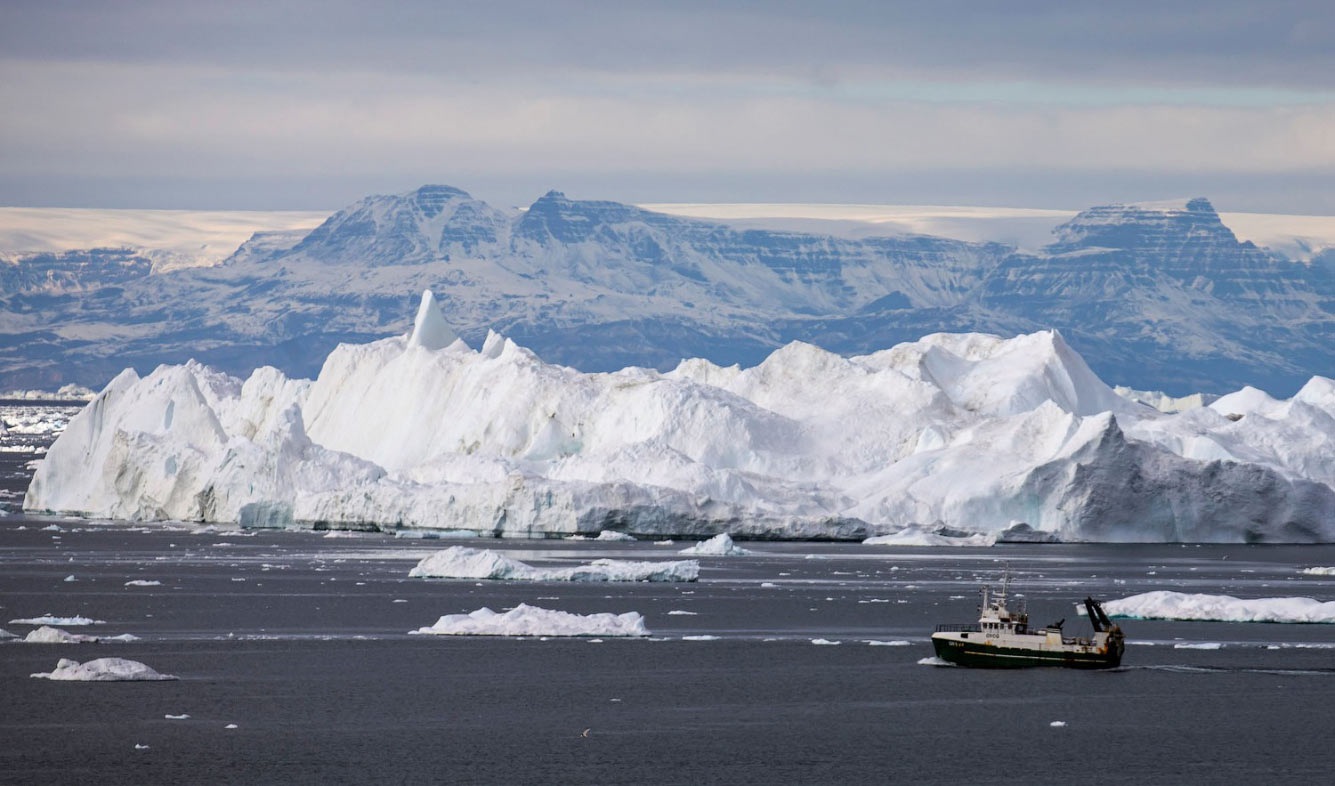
point(895, 643)
point(681, 613)
point(720, 545)
point(137, 746)
point(70, 578)
point(700, 637)
point(143, 583)
point(934, 661)
point(826, 642)
point(1197, 645)
point(1319, 571)
point(102, 670)
point(525, 620)
point(176, 717)
point(230, 726)
point(1057, 724)
point(124, 638)
point(667, 542)
point(610, 534)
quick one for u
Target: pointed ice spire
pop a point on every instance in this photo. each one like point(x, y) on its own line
point(430, 329)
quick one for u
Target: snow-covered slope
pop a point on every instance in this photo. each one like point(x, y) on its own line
point(968, 431)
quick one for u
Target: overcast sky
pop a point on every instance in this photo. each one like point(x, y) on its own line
point(312, 105)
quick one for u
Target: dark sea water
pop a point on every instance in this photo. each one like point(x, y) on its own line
point(301, 641)
point(296, 639)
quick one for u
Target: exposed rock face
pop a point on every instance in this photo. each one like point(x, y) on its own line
point(1160, 296)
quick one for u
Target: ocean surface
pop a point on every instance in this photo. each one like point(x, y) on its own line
point(302, 642)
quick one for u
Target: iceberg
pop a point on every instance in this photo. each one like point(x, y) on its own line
point(50, 635)
point(1168, 605)
point(1320, 571)
point(720, 545)
point(970, 432)
point(52, 620)
point(103, 670)
point(461, 562)
point(525, 620)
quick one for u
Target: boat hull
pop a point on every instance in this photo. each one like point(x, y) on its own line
point(990, 656)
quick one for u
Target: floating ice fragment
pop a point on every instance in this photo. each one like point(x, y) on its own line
point(681, 613)
point(143, 583)
point(934, 661)
point(1057, 724)
point(609, 534)
point(826, 642)
point(1197, 645)
point(50, 620)
point(230, 726)
point(461, 562)
point(525, 620)
point(720, 545)
point(700, 637)
point(176, 717)
point(895, 643)
point(70, 578)
point(49, 635)
point(103, 670)
point(1163, 604)
point(1319, 571)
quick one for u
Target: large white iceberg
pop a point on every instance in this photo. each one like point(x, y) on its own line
point(1167, 605)
point(525, 620)
point(102, 670)
point(461, 562)
point(965, 432)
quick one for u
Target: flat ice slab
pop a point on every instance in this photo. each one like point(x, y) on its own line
point(1167, 605)
point(525, 620)
point(51, 620)
point(461, 562)
point(102, 670)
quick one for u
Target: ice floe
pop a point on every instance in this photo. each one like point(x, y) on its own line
point(103, 670)
point(49, 635)
point(609, 534)
point(894, 643)
point(143, 583)
point(1319, 571)
point(461, 562)
point(525, 620)
point(720, 545)
point(48, 619)
point(954, 432)
point(1163, 604)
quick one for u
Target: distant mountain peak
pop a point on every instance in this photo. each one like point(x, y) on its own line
point(1143, 225)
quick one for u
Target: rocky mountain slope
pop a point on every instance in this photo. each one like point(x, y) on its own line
point(1159, 296)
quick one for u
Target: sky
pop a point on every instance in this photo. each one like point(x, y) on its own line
point(301, 105)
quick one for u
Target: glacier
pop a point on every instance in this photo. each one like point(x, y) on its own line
point(953, 435)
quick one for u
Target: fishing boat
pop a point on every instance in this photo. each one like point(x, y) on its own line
point(1002, 638)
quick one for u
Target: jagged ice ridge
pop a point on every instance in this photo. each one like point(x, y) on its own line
point(968, 432)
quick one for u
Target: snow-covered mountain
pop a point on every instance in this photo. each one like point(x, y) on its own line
point(1158, 296)
point(966, 432)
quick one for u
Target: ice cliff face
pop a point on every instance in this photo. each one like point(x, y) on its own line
point(968, 431)
point(1160, 297)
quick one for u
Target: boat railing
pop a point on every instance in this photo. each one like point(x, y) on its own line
point(966, 627)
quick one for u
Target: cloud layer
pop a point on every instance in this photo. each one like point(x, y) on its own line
point(294, 105)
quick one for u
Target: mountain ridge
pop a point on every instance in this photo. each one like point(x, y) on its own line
point(1159, 297)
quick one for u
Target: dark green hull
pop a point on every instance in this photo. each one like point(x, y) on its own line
point(967, 653)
